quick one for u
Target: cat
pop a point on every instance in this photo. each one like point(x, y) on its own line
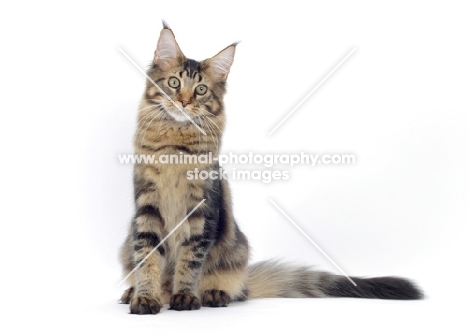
point(204, 262)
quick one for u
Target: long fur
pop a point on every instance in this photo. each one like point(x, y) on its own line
point(276, 279)
point(205, 261)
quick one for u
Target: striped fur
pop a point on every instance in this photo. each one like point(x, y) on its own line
point(276, 279)
point(205, 261)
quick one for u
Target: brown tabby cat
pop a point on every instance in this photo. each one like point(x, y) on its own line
point(205, 261)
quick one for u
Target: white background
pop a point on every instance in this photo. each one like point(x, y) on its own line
point(69, 102)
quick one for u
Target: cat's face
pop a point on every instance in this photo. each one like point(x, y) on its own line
point(189, 88)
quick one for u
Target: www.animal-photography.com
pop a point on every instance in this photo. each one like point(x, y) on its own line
point(234, 168)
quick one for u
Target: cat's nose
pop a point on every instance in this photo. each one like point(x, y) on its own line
point(185, 103)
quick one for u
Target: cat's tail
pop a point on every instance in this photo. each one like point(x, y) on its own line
point(276, 279)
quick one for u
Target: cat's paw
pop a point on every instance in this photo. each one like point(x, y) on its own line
point(215, 298)
point(127, 296)
point(144, 305)
point(184, 302)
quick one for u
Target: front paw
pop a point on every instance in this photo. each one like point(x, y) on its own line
point(184, 302)
point(144, 305)
point(127, 296)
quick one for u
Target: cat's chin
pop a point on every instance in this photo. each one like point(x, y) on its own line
point(178, 116)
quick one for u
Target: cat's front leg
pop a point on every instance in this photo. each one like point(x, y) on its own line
point(146, 236)
point(189, 265)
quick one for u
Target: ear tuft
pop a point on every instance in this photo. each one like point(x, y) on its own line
point(165, 25)
point(220, 65)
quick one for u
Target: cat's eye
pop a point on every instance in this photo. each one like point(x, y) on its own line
point(174, 82)
point(201, 89)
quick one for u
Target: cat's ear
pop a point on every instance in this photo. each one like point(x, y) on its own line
point(220, 65)
point(167, 51)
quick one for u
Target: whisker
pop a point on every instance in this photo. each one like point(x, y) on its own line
point(212, 131)
point(159, 127)
point(150, 112)
point(206, 137)
point(146, 117)
point(214, 124)
point(153, 106)
point(208, 112)
point(198, 151)
point(144, 131)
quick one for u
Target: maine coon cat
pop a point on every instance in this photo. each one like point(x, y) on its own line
point(205, 261)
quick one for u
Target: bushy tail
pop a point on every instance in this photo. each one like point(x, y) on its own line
point(276, 279)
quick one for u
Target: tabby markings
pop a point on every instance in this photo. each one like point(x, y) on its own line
point(162, 241)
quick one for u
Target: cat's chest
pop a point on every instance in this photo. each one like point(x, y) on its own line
point(175, 201)
point(173, 194)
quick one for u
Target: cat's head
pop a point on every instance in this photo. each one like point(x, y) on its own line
point(188, 87)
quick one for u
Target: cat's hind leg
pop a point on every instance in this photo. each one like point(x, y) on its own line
point(218, 288)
